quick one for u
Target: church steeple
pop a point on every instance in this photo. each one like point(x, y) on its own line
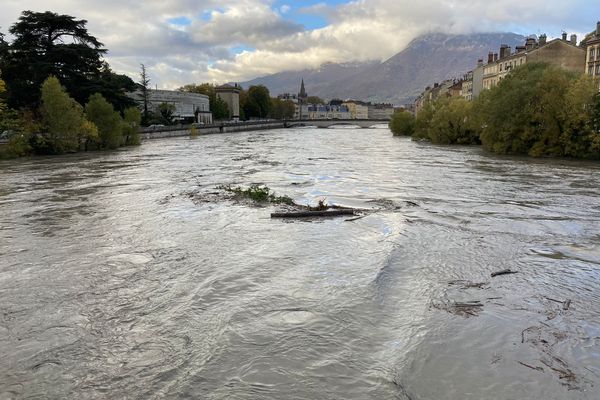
point(302, 95)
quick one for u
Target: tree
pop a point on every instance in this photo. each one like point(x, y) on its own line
point(114, 88)
point(144, 84)
point(258, 103)
point(453, 122)
point(281, 109)
point(64, 121)
point(314, 100)
point(132, 120)
point(220, 109)
point(109, 123)
point(164, 114)
point(581, 134)
point(3, 106)
point(402, 123)
point(218, 106)
point(48, 44)
point(423, 121)
point(524, 114)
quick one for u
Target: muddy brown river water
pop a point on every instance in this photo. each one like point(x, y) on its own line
point(119, 280)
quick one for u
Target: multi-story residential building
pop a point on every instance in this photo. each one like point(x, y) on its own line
point(456, 89)
point(381, 111)
point(432, 93)
point(478, 79)
point(592, 60)
point(358, 109)
point(562, 53)
point(288, 97)
point(467, 86)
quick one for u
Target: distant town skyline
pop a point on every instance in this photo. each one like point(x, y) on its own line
point(184, 41)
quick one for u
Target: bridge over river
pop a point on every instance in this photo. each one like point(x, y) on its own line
point(327, 123)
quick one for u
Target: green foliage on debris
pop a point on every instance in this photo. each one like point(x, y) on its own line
point(258, 194)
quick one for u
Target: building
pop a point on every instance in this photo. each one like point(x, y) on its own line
point(592, 49)
point(324, 111)
point(456, 89)
point(467, 86)
point(187, 106)
point(432, 93)
point(563, 53)
point(478, 79)
point(288, 97)
point(230, 94)
point(358, 109)
point(381, 111)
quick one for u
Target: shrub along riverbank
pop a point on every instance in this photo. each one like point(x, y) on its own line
point(538, 110)
point(39, 114)
point(63, 126)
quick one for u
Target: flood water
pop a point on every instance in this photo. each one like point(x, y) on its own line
point(121, 279)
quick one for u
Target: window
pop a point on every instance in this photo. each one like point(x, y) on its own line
point(598, 69)
point(592, 53)
point(591, 70)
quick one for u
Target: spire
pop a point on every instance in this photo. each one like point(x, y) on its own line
point(302, 93)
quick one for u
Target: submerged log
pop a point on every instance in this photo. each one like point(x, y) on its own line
point(310, 214)
point(504, 272)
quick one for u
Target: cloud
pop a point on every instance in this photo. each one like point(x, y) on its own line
point(183, 41)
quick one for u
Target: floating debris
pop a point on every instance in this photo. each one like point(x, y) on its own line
point(504, 272)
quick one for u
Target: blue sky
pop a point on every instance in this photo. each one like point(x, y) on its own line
point(184, 41)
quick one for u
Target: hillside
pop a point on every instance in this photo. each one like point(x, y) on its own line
point(427, 59)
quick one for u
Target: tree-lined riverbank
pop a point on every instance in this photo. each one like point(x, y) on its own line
point(537, 110)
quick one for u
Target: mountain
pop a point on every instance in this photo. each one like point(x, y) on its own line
point(289, 81)
point(427, 59)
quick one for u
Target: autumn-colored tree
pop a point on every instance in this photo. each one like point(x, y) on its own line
point(63, 120)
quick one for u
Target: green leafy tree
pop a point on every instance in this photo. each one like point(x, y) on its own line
point(258, 103)
point(402, 123)
point(218, 106)
point(243, 101)
point(164, 114)
point(281, 109)
point(423, 121)
point(220, 109)
point(12, 128)
point(114, 88)
point(144, 85)
point(453, 123)
point(539, 110)
point(109, 123)
point(314, 100)
point(580, 136)
point(48, 44)
point(66, 128)
point(3, 106)
point(132, 120)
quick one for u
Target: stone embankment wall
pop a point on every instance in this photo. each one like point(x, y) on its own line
point(184, 130)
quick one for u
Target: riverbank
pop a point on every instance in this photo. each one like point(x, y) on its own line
point(225, 127)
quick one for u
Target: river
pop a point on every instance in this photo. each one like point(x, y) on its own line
point(123, 276)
